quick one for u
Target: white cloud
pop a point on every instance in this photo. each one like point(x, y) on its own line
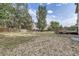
point(61, 4)
point(49, 3)
point(70, 21)
point(49, 11)
point(41, 4)
point(51, 18)
point(58, 4)
point(64, 3)
point(66, 22)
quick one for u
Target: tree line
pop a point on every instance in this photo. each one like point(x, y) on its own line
point(16, 15)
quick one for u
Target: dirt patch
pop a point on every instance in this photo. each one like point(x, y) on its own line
point(14, 34)
point(44, 44)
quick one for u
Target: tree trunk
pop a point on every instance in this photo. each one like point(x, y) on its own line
point(78, 23)
point(19, 28)
point(78, 19)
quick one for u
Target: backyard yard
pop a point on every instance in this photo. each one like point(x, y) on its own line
point(37, 44)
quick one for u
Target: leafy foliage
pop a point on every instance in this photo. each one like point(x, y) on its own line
point(54, 25)
point(15, 16)
point(41, 17)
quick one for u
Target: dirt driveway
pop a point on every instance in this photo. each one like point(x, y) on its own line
point(43, 44)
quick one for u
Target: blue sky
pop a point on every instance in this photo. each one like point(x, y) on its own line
point(64, 13)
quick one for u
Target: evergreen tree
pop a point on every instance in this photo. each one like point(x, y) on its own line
point(41, 17)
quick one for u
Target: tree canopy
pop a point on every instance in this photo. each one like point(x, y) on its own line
point(15, 15)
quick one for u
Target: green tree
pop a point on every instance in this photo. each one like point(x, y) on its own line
point(41, 17)
point(26, 18)
point(22, 17)
point(10, 22)
point(54, 26)
point(4, 13)
point(15, 16)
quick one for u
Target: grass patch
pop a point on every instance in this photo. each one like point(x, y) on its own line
point(11, 42)
point(45, 33)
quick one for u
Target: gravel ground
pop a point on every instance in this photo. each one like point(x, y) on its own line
point(46, 45)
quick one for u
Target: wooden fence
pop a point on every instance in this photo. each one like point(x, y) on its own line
point(4, 29)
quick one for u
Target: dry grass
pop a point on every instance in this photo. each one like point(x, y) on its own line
point(14, 34)
point(38, 43)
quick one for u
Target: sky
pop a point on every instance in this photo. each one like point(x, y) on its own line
point(64, 13)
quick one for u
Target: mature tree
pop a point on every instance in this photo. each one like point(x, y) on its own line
point(26, 18)
point(73, 27)
point(41, 17)
point(15, 15)
point(22, 18)
point(54, 25)
point(11, 18)
point(4, 13)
